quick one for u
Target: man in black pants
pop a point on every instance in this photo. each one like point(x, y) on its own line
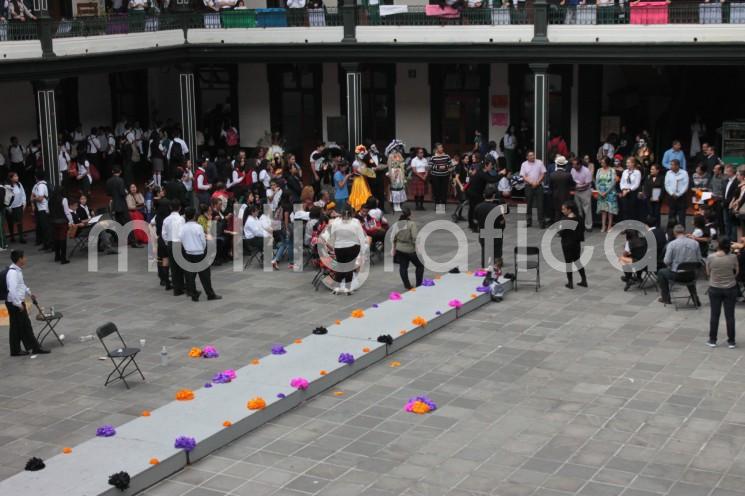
point(481, 213)
point(171, 233)
point(20, 324)
point(475, 191)
point(40, 199)
point(194, 242)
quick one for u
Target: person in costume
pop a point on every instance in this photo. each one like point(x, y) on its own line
point(397, 177)
point(361, 169)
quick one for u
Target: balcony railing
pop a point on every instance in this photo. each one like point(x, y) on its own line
point(17, 31)
point(433, 15)
point(649, 13)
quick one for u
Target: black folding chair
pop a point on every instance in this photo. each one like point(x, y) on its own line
point(50, 322)
point(80, 239)
point(686, 276)
point(532, 262)
point(122, 357)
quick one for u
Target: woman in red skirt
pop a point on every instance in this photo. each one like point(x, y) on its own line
point(418, 183)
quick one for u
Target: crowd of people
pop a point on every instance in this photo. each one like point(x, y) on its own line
point(346, 195)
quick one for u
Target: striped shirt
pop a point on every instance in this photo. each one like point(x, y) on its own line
point(440, 165)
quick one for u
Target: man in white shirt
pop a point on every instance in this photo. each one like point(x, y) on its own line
point(171, 233)
point(676, 187)
point(16, 155)
point(631, 180)
point(20, 324)
point(194, 243)
point(40, 199)
point(16, 207)
point(254, 231)
point(532, 171)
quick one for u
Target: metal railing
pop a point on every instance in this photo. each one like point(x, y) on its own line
point(16, 31)
point(425, 15)
point(704, 13)
point(232, 19)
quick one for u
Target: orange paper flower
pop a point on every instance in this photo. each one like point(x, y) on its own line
point(323, 372)
point(145, 413)
point(255, 361)
point(195, 353)
point(419, 321)
point(420, 408)
point(358, 314)
point(337, 322)
point(227, 423)
point(365, 350)
point(298, 341)
point(67, 451)
point(256, 403)
point(473, 295)
point(437, 278)
point(154, 461)
point(402, 332)
point(395, 364)
point(185, 395)
point(412, 290)
point(338, 393)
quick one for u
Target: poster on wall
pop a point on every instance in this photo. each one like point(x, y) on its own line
point(499, 101)
point(498, 119)
point(609, 124)
point(88, 8)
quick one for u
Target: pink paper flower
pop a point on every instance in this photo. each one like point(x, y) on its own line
point(480, 273)
point(455, 303)
point(395, 296)
point(300, 383)
point(230, 373)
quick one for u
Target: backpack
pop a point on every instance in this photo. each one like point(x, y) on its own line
point(231, 137)
point(7, 195)
point(177, 153)
point(4, 283)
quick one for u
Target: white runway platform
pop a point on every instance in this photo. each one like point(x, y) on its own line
point(86, 470)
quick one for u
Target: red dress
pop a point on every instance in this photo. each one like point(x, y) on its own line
point(140, 235)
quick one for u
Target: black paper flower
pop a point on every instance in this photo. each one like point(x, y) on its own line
point(385, 338)
point(454, 270)
point(34, 464)
point(320, 330)
point(120, 480)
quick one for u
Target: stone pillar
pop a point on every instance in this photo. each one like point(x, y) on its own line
point(354, 104)
point(540, 108)
point(47, 119)
point(188, 112)
point(349, 19)
point(540, 21)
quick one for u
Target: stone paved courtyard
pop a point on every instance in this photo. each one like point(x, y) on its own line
point(593, 391)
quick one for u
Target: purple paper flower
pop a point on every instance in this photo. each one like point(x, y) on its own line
point(221, 378)
point(210, 352)
point(106, 431)
point(483, 289)
point(375, 305)
point(347, 358)
point(208, 384)
point(281, 395)
point(428, 282)
point(278, 349)
point(185, 443)
point(438, 313)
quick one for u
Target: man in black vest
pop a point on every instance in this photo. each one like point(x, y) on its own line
point(116, 190)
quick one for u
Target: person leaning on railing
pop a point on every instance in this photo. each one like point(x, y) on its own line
point(18, 12)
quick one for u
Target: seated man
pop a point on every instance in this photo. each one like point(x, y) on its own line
point(633, 251)
point(373, 223)
point(680, 250)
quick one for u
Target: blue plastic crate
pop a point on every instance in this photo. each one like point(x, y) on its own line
point(271, 18)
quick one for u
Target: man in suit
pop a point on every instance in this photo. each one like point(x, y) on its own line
point(116, 190)
point(475, 191)
point(561, 185)
point(481, 213)
point(175, 189)
point(731, 192)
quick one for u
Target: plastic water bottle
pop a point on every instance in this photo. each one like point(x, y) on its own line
point(89, 337)
point(163, 357)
